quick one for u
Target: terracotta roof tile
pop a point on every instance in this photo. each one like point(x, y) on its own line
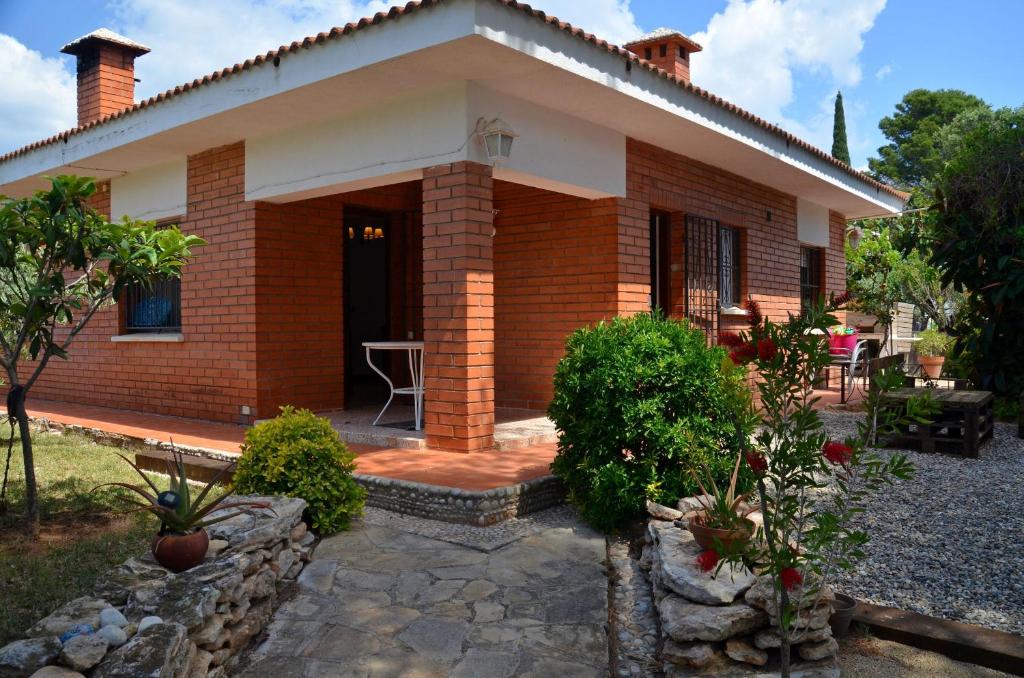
point(399, 11)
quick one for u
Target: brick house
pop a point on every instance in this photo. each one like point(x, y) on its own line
point(346, 192)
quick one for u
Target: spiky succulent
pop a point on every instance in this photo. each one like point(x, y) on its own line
point(175, 508)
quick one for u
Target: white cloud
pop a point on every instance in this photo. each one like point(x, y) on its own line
point(883, 71)
point(38, 95)
point(755, 50)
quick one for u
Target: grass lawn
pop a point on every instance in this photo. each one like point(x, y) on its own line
point(83, 533)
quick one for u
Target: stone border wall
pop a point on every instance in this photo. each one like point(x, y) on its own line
point(143, 620)
point(462, 506)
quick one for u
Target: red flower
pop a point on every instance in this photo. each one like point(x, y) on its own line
point(744, 354)
point(766, 350)
point(707, 560)
point(730, 339)
point(791, 578)
point(837, 453)
point(756, 461)
point(754, 310)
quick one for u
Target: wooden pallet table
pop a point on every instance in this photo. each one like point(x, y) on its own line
point(965, 421)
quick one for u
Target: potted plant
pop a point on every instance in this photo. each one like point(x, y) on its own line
point(722, 522)
point(182, 541)
point(931, 351)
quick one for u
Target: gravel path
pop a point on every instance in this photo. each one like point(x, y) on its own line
point(950, 542)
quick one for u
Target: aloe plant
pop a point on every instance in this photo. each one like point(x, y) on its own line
point(177, 511)
point(723, 510)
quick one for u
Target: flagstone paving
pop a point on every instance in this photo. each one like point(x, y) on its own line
point(381, 600)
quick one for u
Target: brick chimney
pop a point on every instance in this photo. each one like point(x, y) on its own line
point(106, 73)
point(667, 49)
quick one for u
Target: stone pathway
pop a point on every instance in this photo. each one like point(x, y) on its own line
point(383, 601)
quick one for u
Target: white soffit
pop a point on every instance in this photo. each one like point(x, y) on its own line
point(812, 224)
point(150, 194)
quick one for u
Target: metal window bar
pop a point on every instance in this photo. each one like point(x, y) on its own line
point(153, 308)
point(729, 265)
point(810, 276)
point(702, 275)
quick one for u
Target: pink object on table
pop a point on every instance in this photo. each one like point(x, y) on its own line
point(842, 344)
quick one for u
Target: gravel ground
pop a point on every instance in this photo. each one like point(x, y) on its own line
point(950, 542)
point(867, 657)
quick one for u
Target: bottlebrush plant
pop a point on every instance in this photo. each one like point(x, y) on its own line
point(809, 485)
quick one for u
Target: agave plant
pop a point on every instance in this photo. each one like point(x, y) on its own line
point(177, 511)
point(723, 510)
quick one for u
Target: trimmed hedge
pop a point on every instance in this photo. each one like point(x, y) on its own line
point(639, 402)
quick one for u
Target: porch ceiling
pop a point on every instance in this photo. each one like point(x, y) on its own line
point(468, 41)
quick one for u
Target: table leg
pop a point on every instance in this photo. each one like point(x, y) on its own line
point(842, 384)
point(391, 387)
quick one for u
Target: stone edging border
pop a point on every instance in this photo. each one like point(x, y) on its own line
point(453, 505)
point(965, 642)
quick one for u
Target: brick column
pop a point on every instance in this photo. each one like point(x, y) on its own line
point(458, 306)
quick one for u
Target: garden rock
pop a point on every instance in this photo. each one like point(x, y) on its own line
point(693, 655)
point(146, 622)
point(56, 672)
point(673, 568)
point(81, 653)
point(816, 651)
point(744, 651)
point(694, 503)
point(769, 638)
point(253, 529)
point(762, 595)
point(117, 584)
point(84, 610)
point(23, 657)
point(113, 617)
point(684, 621)
point(114, 635)
point(662, 512)
point(160, 650)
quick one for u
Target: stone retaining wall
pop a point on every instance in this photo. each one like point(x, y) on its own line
point(144, 620)
point(462, 506)
point(721, 624)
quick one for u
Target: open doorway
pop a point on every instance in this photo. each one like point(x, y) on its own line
point(366, 304)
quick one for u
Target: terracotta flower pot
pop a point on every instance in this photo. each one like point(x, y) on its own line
point(705, 536)
point(180, 552)
point(931, 365)
point(842, 615)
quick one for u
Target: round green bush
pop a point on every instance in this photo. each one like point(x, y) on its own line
point(298, 454)
point(639, 403)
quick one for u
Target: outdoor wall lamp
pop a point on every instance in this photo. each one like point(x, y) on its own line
point(498, 137)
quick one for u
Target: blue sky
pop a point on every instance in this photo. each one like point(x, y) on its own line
point(781, 59)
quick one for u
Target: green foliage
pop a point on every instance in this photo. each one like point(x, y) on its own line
point(914, 152)
point(722, 508)
point(804, 538)
point(177, 511)
point(873, 273)
point(933, 343)
point(640, 402)
point(840, 147)
point(298, 454)
point(978, 240)
point(60, 262)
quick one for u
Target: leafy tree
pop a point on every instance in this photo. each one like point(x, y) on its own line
point(60, 262)
point(840, 148)
point(978, 241)
point(874, 275)
point(914, 154)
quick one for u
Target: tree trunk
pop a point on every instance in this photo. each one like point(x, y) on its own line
point(784, 650)
point(16, 408)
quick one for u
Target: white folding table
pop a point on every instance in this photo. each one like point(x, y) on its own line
point(414, 349)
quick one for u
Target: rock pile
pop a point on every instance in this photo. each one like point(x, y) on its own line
point(144, 620)
point(721, 625)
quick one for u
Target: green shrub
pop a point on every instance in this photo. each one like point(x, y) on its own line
point(639, 403)
point(933, 343)
point(298, 454)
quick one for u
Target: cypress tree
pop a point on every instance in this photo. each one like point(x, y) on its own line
point(840, 149)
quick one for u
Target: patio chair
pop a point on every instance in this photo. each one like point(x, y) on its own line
point(854, 364)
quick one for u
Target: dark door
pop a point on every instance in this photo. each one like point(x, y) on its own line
point(661, 263)
point(366, 301)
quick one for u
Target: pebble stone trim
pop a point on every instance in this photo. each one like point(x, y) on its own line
point(462, 506)
point(634, 620)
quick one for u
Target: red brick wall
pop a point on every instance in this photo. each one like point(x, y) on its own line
point(213, 372)
point(555, 269)
point(300, 337)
